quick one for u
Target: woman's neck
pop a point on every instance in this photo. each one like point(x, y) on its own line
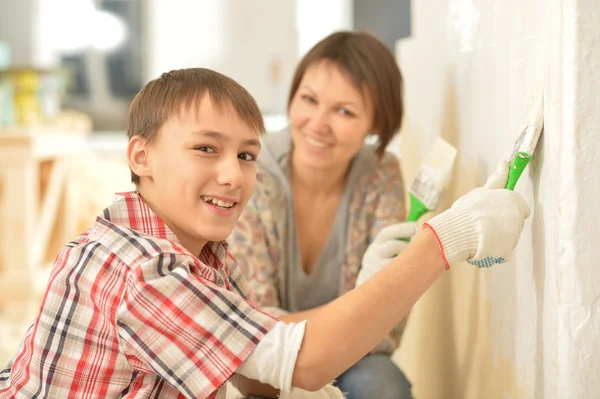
point(319, 182)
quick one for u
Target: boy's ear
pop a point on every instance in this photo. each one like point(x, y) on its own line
point(138, 156)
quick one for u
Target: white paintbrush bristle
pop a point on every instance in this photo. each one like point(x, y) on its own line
point(532, 126)
point(434, 173)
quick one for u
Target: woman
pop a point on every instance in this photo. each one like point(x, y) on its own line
point(322, 195)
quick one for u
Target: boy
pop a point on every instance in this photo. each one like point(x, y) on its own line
point(148, 303)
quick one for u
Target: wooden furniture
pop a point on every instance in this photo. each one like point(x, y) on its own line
point(34, 168)
point(35, 219)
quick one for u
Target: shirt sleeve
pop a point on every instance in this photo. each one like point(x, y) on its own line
point(174, 322)
point(274, 359)
point(253, 244)
point(390, 207)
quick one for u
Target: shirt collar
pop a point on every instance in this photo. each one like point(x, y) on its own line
point(131, 211)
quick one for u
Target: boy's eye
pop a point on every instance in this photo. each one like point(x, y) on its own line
point(246, 156)
point(205, 148)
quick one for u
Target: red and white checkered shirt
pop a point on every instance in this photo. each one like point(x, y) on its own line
point(130, 313)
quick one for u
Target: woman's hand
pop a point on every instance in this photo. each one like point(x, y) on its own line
point(385, 247)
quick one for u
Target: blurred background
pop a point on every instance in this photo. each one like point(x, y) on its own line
point(93, 56)
point(528, 329)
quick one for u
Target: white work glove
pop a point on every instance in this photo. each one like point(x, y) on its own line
point(385, 247)
point(482, 227)
point(327, 392)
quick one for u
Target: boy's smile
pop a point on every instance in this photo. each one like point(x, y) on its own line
point(199, 173)
point(223, 205)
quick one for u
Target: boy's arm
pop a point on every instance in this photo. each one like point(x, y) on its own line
point(343, 331)
point(312, 353)
point(250, 245)
point(389, 209)
point(297, 317)
point(336, 337)
point(484, 225)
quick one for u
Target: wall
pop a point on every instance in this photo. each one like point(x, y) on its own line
point(246, 40)
point(23, 25)
point(527, 329)
point(238, 38)
point(256, 42)
point(388, 19)
point(316, 19)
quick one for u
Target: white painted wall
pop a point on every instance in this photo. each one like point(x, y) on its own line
point(23, 26)
point(316, 19)
point(246, 40)
point(237, 38)
point(241, 39)
point(527, 329)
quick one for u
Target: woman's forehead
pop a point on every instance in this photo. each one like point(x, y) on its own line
point(329, 73)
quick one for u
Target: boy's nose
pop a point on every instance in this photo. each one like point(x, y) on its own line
point(230, 173)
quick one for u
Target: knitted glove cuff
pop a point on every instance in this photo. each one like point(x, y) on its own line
point(456, 232)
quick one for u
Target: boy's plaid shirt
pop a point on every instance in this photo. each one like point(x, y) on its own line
point(130, 313)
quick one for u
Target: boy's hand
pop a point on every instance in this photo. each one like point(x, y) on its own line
point(484, 226)
point(386, 245)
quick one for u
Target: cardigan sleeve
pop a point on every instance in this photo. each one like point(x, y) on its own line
point(255, 246)
point(388, 208)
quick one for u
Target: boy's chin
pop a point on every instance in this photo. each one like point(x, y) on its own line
point(221, 235)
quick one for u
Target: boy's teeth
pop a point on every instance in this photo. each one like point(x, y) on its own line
point(223, 203)
point(218, 202)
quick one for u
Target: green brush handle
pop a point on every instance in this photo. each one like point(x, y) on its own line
point(417, 209)
point(516, 168)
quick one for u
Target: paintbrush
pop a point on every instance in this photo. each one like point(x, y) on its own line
point(431, 179)
point(522, 153)
point(527, 140)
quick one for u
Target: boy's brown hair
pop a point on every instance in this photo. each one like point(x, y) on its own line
point(181, 89)
point(369, 64)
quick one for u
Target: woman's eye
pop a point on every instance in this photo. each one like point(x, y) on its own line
point(344, 111)
point(204, 148)
point(308, 98)
point(247, 157)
